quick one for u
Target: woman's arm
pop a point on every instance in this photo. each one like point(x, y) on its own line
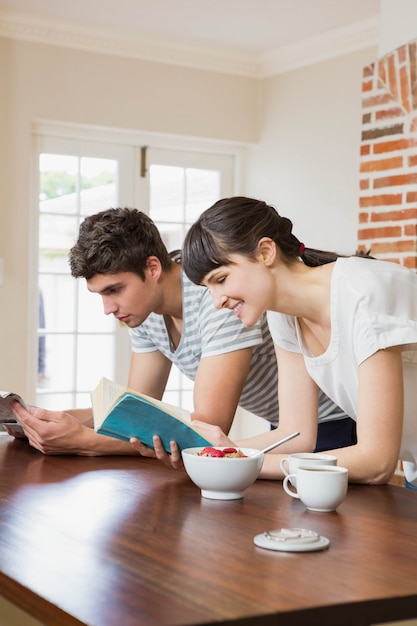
point(298, 411)
point(298, 402)
point(379, 420)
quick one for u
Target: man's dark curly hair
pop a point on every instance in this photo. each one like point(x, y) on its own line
point(117, 240)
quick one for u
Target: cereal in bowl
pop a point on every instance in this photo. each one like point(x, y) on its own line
point(231, 453)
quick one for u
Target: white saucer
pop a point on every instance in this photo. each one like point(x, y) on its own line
point(291, 540)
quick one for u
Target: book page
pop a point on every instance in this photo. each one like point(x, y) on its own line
point(103, 397)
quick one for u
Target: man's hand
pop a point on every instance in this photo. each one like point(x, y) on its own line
point(57, 433)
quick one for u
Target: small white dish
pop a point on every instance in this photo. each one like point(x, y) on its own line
point(291, 540)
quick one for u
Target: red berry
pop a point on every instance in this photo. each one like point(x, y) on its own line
point(229, 450)
point(208, 451)
point(216, 453)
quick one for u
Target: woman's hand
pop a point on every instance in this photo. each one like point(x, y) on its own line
point(174, 459)
point(213, 433)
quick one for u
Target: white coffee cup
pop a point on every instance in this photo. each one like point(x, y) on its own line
point(291, 463)
point(319, 487)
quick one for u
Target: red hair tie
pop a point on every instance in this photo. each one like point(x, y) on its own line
point(301, 249)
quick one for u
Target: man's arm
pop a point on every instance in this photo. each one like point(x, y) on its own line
point(149, 373)
point(71, 432)
point(58, 433)
point(84, 416)
point(218, 386)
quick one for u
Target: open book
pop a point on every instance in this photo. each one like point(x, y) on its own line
point(123, 413)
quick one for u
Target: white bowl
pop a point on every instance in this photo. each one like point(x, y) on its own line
point(222, 478)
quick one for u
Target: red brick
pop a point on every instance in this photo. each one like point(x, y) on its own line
point(393, 181)
point(392, 77)
point(411, 262)
point(412, 53)
point(410, 230)
point(393, 247)
point(382, 70)
point(390, 259)
point(380, 233)
point(364, 184)
point(368, 86)
point(412, 160)
point(394, 216)
point(402, 54)
point(368, 70)
point(363, 217)
point(382, 200)
point(411, 196)
point(405, 90)
point(382, 131)
point(396, 144)
point(381, 164)
point(363, 249)
point(387, 114)
point(365, 149)
point(378, 100)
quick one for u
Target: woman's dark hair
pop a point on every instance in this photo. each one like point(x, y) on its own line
point(117, 240)
point(235, 226)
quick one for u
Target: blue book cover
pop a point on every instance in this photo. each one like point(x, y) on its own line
point(131, 414)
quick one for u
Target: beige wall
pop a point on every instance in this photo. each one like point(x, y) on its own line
point(398, 24)
point(307, 160)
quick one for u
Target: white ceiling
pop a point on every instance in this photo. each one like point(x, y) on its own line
point(247, 25)
point(249, 28)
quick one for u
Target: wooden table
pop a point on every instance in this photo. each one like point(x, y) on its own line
point(114, 541)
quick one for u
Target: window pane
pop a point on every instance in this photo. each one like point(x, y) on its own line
point(59, 356)
point(183, 399)
point(57, 234)
point(172, 235)
point(82, 400)
point(95, 359)
point(187, 400)
point(58, 293)
point(177, 380)
point(167, 187)
point(57, 401)
point(58, 183)
point(98, 185)
point(71, 187)
point(203, 190)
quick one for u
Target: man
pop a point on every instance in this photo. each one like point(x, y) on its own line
point(121, 255)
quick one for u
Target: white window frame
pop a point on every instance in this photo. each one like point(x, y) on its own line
point(133, 190)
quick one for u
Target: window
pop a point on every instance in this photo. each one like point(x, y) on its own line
point(77, 344)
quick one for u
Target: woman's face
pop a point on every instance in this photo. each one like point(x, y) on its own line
point(243, 286)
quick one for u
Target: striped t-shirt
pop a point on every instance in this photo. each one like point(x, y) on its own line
point(207, 331)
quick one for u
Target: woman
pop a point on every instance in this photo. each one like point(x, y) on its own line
point(347, 325)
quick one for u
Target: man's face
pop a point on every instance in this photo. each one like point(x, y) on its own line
point(126, 296)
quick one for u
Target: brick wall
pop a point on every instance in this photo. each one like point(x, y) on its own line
point(388, 161)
